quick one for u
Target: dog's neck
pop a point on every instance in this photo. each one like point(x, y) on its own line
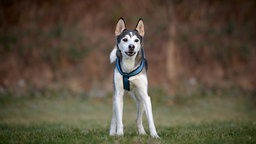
point(128, 64)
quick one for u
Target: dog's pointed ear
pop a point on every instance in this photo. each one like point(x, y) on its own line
point(120, 26)
point(140, 27)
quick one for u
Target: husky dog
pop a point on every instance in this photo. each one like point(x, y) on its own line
point(130, 75)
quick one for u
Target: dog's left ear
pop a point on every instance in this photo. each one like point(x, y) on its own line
point(140, 27)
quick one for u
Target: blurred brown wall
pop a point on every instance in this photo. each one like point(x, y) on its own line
point(60, 45)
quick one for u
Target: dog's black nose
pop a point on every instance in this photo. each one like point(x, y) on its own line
point(131, 47)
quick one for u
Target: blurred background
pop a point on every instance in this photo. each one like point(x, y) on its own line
point(56, 78)
point(63, 46)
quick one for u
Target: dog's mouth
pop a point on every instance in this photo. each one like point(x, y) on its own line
point(130, 53)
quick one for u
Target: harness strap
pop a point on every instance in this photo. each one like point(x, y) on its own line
point(126, 76)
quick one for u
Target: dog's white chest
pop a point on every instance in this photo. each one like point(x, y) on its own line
point(128, 65)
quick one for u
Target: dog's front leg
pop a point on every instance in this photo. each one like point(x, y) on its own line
point(117, 121)
point(112, 131)
point(119, 114)
point(140, 111)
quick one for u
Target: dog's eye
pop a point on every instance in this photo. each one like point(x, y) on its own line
point(125, 39)
point(136, 40)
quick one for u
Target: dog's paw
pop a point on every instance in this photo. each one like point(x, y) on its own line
point(142, 132)
point(120, 134)
point(112, 134)
point(116, 134)
point(154, 135)
point(112, 131)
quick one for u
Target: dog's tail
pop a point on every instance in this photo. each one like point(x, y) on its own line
point(112, 56)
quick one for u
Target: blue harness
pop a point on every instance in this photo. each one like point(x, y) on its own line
point(126, 76)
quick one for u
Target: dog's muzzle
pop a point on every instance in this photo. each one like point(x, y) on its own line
point(131, 50)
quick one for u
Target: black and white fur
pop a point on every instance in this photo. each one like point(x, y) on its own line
point(128, 49)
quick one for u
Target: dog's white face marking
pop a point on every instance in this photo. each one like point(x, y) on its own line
point(129, 45)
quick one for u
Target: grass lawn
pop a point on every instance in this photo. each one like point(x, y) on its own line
point(198, 119)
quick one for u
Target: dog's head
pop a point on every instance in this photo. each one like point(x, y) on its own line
point(129, 42)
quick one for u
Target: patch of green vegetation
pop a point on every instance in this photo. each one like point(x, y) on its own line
point(215, 132)
point(219, 132)
point(55, 118)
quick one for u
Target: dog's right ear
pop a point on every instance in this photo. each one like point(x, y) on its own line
point(120, 26)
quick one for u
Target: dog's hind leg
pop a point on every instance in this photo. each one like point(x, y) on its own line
point(149, 114)
point(148, 109)
point(139, 118)
point(140, 111)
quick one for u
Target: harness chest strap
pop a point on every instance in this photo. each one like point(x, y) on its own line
point(126, 76)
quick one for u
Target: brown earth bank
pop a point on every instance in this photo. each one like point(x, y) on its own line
point(65, 44)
